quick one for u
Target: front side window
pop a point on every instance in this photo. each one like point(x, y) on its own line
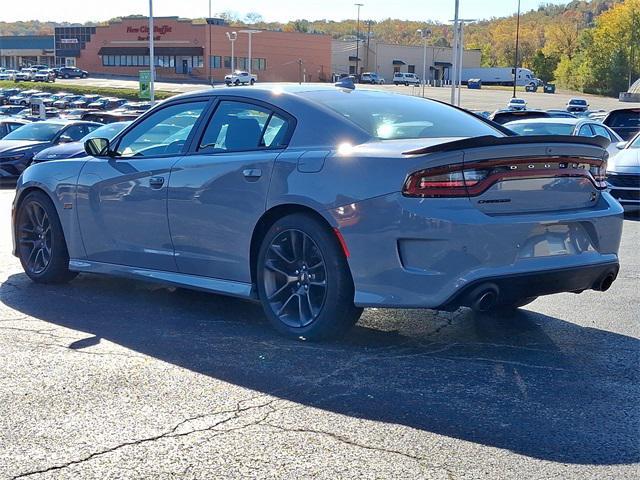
point(237, 126)
point(76, 132)
point(151, 137)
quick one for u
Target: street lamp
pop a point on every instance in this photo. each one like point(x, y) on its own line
point(515, 67)
point(424, 34)
point(232, 36)
point(250, 33)
point(152, 66)
point(358, 36)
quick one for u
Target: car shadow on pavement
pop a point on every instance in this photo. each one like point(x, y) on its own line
point(533, 384)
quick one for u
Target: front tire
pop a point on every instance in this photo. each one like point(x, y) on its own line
point(40, 241)
point(304, 282)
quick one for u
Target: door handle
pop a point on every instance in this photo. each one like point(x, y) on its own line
point(252, 173)
point(156, 182)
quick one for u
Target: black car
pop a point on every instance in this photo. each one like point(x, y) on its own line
point(106, 103)
point(84, 101)
point(624, 121)
point(71, 72)
point(110, 117)
point(18, 148)
point(8, 125)
point(10, 110)
point(504, 116)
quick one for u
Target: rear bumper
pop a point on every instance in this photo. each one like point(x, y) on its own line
point(431, 253)
point(509, 289)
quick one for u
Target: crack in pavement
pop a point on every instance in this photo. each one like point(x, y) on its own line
point(172, 433)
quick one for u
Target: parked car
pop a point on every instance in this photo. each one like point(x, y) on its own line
point(76, 149)
point(8, 75)
point(39, 96)
point(84, 101)
point(65, 102)
point(18, 148)
point(372, 78)
point(504, 116)
point(577, 105)
point(11, 110)
point(231, 212)
point(400, 78)
point(107, 103)
point(75, 113)
point(109, 117)
point(71, 72)
point(25, 75)
point(8, 125)
point(54, 97)
point(23, 97)
point(623, 175)
point(557, 113)
point(517, 104)
point(44, 76)
point(566, 126)
point(240, 78)
point(624, 121)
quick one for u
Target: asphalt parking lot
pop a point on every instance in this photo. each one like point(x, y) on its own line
point(486, 99)
point(107, 378)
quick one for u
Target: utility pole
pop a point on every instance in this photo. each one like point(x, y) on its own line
point(454, 53)
point(152, 63)
point(368, 40)
point(232, 36)
point(210, 56)
point(250, 33)
point(358, 37)
point(300, 71)
point(424, 34)
point(515, 66)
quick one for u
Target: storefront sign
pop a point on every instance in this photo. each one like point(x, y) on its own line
point(158, 31)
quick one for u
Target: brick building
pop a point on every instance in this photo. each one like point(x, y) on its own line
point(182, 50)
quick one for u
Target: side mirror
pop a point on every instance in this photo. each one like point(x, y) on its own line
point(621, 145)
point(65, 139)
point(97, 147)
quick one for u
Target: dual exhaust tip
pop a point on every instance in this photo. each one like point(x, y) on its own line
point(487, 296)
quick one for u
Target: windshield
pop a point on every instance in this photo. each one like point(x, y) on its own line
point(540, 128)
point(40, 132)
point(106, 131)
point(517, 100)
point(390, 116)
point(578, 102)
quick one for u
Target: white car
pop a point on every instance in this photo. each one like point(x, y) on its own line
point(240, 78)
point(44, 76)
point(400, 78)
point(623, 174)
point(577, 105)
point(372, 78)
point(517, 104)
point(25, 75)
point(8, 75)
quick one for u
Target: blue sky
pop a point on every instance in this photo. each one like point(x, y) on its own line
point(271, 10)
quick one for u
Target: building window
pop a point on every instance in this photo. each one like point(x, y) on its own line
point(197, 62)
point(411, 68)
point(258, 64)
point(215, 61)
point(227, 62)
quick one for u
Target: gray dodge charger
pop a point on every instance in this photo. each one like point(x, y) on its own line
point(318, 201)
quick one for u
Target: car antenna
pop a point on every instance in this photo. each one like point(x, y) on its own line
point(347, 83)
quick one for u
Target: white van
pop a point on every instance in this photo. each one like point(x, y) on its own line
point(405, 78)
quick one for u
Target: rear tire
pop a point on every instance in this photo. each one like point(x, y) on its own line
point(304, 282)
point(41, 246)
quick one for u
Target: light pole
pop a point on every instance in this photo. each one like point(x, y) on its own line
point(232, 36)
point(424, 34)
point(209, 59)
point(152, 66)
point(358, 37)
point(455, 53)
point(515, 66)
point(250, 33)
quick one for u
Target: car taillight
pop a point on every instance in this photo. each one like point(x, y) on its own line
point(458, 180)
point(448, 181)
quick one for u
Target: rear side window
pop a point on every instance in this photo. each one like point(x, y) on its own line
point(238, 126)
point(601, 131)
point(585, 131)
point(390, 116)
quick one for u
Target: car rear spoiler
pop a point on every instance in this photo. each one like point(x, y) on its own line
point(491, 141)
